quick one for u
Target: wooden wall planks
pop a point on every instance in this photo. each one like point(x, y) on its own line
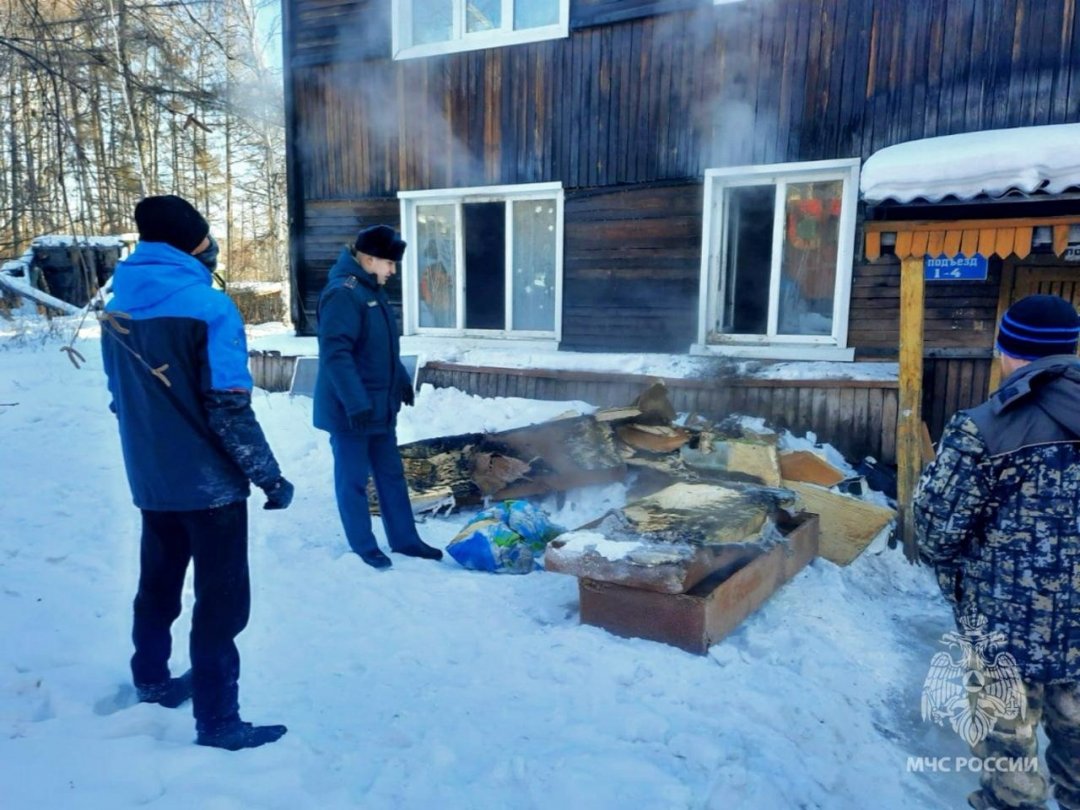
point(630, 110)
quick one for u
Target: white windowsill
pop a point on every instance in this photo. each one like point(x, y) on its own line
point(479, 41)
point(774, 352)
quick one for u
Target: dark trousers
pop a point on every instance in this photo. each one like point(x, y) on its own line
point(216, 540)
point(357, 456)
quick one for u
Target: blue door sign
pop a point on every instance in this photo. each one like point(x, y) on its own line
point(957, 268)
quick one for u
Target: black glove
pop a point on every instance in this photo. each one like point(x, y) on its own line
point(278, 494)
point(408, 396)
point(360, 419)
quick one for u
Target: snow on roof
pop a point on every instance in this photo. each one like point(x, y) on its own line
point(990, 163)
point(18, 266)
point(64, 240)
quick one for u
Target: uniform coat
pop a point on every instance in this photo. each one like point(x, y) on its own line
point(360, 366)
point(998, 516)
point(358, 393)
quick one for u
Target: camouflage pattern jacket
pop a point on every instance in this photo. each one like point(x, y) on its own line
point(998, 516)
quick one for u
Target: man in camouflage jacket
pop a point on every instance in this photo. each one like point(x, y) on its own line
point(998, 517)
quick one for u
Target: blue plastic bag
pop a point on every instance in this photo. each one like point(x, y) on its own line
point(507, 538)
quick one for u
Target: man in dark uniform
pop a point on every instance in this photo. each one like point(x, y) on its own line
point(998, 516)
point(359, 390)
point(176, 358)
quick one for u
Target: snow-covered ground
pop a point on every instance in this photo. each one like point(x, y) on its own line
point(428, 686)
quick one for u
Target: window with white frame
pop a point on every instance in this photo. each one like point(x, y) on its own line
point(483, 262)
point(777, 251)
point(429, 27)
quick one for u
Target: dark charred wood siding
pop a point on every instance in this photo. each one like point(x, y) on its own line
point(958, 315)
point(584, 13)
point(631, 270)
point(959, 331)
point(328, 227)
point(325, 31)
point(952, 383)
point(643, 94)
point(668, 96)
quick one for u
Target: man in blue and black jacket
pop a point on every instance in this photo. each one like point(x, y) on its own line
point(176, 360)
point(359, 390)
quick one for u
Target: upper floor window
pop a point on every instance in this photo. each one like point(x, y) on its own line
point(429, 27)
point(777, 254)
point(483, 262)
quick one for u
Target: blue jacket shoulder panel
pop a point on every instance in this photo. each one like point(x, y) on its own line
point(152, 275)
point(227, 346)
point(159, 281)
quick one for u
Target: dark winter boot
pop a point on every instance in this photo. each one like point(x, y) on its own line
point(237, 734)
point(376, 559)
point(170, 694)
point(423, 551)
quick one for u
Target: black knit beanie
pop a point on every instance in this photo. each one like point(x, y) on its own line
point(172, 220)
point(380, 241)
point(1039, 326)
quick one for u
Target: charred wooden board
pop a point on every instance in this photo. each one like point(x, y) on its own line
point(653, 566)
point(848, 525)
point(700, 514)
point(804, 465)
point(561, 454)
point(711, 610)
point(738, 459)
point(671, 540)
point(614, 415)
point(551, 456)
point(653, 438)
point(440, 465)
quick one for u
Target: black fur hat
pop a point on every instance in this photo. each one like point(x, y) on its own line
point(172, 220)
point(380, 241)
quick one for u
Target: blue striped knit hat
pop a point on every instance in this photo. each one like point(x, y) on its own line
point(1039, 326)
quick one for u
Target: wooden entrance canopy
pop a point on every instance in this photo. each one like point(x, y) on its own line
point(915, 240)
point(985, 237)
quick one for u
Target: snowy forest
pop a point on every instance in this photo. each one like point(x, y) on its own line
point(107, 101)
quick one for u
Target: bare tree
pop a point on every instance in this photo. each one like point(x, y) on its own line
point(109, 100)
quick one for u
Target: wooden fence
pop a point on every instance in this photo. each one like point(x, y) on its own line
point(858, 417)
point(258, 306)
point(271, 371)
point(950, 384)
